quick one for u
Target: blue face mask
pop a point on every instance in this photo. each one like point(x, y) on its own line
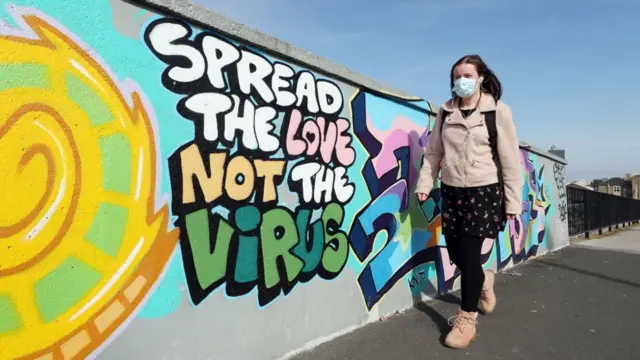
point(464, 87)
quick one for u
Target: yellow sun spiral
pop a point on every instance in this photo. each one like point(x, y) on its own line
point(81, 241)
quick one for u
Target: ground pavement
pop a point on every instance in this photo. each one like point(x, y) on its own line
point(582, 302)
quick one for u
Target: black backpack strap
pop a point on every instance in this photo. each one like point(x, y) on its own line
point(492, 128)
point(443, 114)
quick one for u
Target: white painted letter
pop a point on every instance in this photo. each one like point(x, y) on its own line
point(281, 72)
point(161, 38)
point(266, 140)
point(329, 97)
point(323, 185)
point(210, 105)
point(305, 172)
point(306, 88)
point(252, 70)
point(245, 123)
point(211, 46)
point(343, 189)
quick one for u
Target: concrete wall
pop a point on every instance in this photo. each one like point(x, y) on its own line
point(159, 200)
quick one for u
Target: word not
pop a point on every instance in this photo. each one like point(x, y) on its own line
point(273, 250)
point(226, 177)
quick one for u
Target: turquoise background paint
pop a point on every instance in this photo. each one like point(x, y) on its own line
point(129, 58)
point(134, 61)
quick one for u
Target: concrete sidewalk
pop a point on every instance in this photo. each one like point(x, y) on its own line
point(578, 303)
point(627, 240)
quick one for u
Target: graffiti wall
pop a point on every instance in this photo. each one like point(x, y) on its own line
point(171, 192)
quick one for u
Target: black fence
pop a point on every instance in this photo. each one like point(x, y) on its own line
point(591, 210)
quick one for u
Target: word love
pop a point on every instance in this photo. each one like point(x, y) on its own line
point(330, 139)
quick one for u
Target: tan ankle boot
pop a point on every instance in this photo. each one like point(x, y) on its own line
point(488, 297)
point(463, 331)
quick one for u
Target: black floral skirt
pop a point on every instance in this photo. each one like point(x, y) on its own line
point(475, 211)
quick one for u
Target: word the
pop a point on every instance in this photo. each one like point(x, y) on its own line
point(253, 122)
point(317, 180)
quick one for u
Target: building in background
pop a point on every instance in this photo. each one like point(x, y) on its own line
point(635, 185)
point(614, 186)
point(581, 184)
point(557, 152)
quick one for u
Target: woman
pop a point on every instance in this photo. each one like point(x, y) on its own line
point(472, 189)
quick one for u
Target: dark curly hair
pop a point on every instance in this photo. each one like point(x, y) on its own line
point(490, 84)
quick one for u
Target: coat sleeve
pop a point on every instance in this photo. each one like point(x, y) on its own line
point(431, 159)
point(509, 153)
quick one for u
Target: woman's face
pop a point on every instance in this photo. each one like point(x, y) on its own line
point(468, 71)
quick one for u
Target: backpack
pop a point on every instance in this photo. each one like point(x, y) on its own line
point(490, 121)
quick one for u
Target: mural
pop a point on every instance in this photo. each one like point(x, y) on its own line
point(84, 241)
point(150, 165)
point(238, 160)
point(412, 230)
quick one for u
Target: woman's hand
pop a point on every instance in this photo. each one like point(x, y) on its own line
point(422, 197)
point(511, 217)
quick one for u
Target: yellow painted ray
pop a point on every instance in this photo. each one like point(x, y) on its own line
point(83, 243)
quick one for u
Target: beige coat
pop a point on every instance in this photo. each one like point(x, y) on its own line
point(463, 153)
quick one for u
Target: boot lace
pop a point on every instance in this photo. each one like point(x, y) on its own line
point(461, 322)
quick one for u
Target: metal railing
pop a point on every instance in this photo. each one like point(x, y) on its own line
point(591, 210)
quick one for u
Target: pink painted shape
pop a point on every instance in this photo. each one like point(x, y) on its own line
point(294, 147)
point(403, 132)
point(518, 238)
point(448, 268)
point(345, 153)
point(328, 143)
point(310, 128)
point(487, 246)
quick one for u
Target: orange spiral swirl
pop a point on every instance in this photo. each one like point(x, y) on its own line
point(82, 240)
point(28, 223)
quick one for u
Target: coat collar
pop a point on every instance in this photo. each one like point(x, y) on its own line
point(486, 103)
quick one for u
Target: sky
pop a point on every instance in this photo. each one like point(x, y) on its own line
point(570, 69)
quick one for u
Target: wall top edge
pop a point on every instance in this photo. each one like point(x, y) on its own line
point(229, 27)
point(541, 152)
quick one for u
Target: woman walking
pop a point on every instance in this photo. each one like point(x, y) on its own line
point(475, 146)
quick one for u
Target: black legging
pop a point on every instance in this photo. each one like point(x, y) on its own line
point(465, 253)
